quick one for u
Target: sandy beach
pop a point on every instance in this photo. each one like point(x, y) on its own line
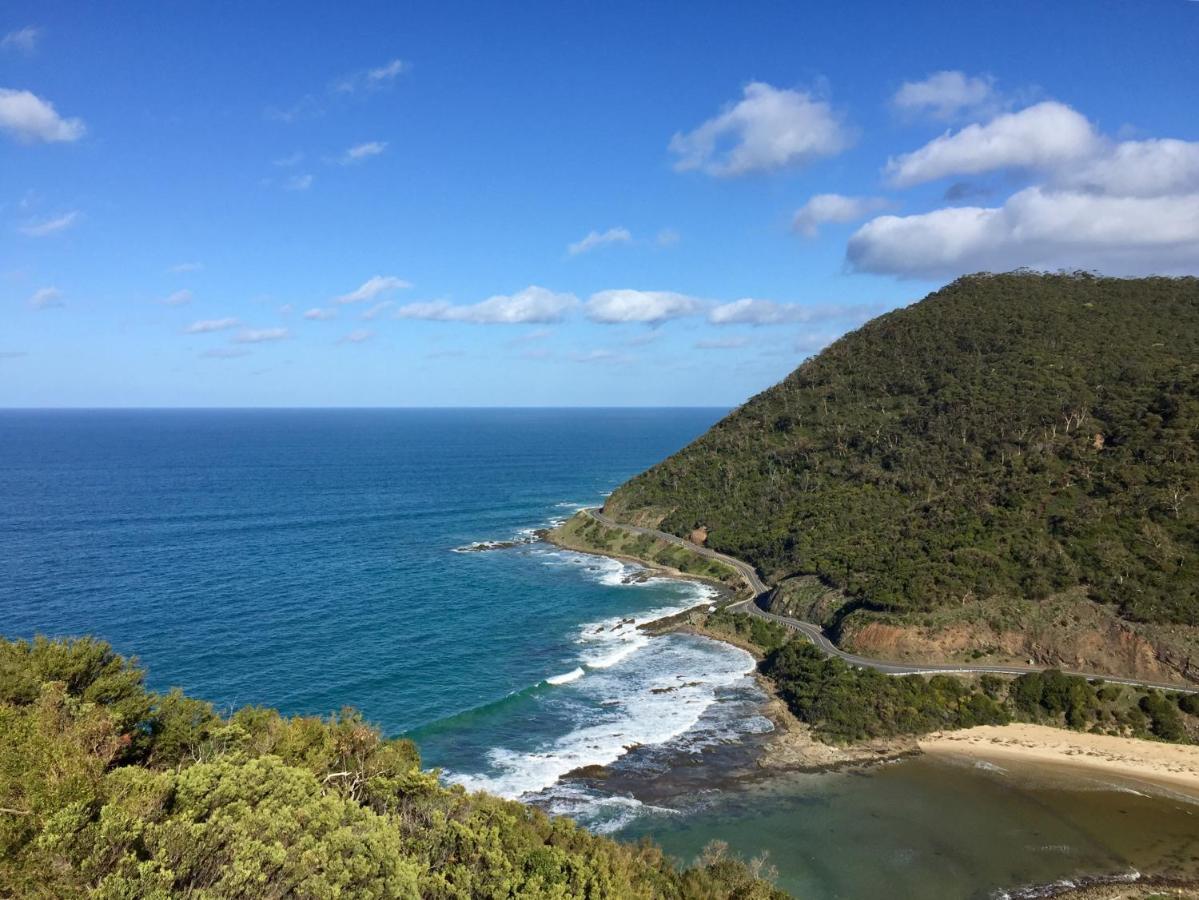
point(1170, 765)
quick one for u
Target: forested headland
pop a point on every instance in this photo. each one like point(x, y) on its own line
point(1011, 439)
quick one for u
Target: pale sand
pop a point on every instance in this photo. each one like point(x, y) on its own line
point(1171, 765)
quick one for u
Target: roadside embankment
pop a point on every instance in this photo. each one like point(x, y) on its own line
point(585, 534)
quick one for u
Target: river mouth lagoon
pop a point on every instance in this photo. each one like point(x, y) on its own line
point(389, 560)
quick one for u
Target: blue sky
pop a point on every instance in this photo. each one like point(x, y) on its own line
point(220, 204)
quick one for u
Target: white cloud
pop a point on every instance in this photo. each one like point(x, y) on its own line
point(314, 105)
point(261, 335)
point(533, 305)
point(373, 288)
point(834, 208)
point(46, 298)
point(359, 152)
point(652, 307)
point(944, 95)
point(375, 310)
point(298, 183)
point(180, 268)
point(749, 311)
point(23, 39)
point(1140, 169)
point(1045, 136)
point(729, 343)
point(386, 72)
point(205, 326)
point(597, 239)
point(668, 237)
point(317, 314)
point(179, 298)
point(357, 336)
point(29, 118)
point(47, 227)
point(1037, 227)
point(769, 129)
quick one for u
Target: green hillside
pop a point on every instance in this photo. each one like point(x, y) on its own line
point(110, 791)
point(1012, 436)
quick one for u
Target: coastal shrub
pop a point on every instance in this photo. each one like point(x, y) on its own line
point(762, 633)
point(1164, 720)
point(843, 703)
point(1189, 703)
point(108, 790)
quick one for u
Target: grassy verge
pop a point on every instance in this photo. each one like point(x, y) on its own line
point(585, 534)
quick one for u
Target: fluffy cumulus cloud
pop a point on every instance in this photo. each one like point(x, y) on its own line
point(1150, 168)
point(47, 227)
point(46, 298)
point(374, 288)
point(29, 119)
point(834, 208)
point(1047, 135)
point(1037, 227)
point(261, 335)
point(770, 128)
point(600, 239)
point(651, 307)
point(360, 152)
point(205, 326)
point(534, 305)
point(944, 95)
point(1123, 208)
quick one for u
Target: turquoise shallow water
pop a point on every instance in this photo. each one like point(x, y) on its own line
point(307, 560)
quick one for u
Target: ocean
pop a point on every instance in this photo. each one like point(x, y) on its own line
point(387, 560)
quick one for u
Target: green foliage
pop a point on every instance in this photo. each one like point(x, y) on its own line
point(844, 703)
point(762, 633)
point(1009, 436)
point(1189, 704)
point(110, 791)
point(1164, 720)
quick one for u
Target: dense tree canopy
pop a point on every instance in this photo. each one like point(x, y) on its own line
point(110, 791)
point(1013, 435)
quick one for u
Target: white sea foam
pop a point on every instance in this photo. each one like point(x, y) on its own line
point(566, 677)
point(662, 696)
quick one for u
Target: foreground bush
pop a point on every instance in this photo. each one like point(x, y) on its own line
point(108, 790)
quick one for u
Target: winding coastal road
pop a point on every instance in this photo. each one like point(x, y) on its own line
point(815, 634)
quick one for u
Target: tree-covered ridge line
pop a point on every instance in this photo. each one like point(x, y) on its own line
point(108, 790)
point(1012, 435)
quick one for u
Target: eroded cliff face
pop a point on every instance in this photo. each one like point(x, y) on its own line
point(1109, 647)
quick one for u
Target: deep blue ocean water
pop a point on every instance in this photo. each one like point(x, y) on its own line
point(304, 559)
